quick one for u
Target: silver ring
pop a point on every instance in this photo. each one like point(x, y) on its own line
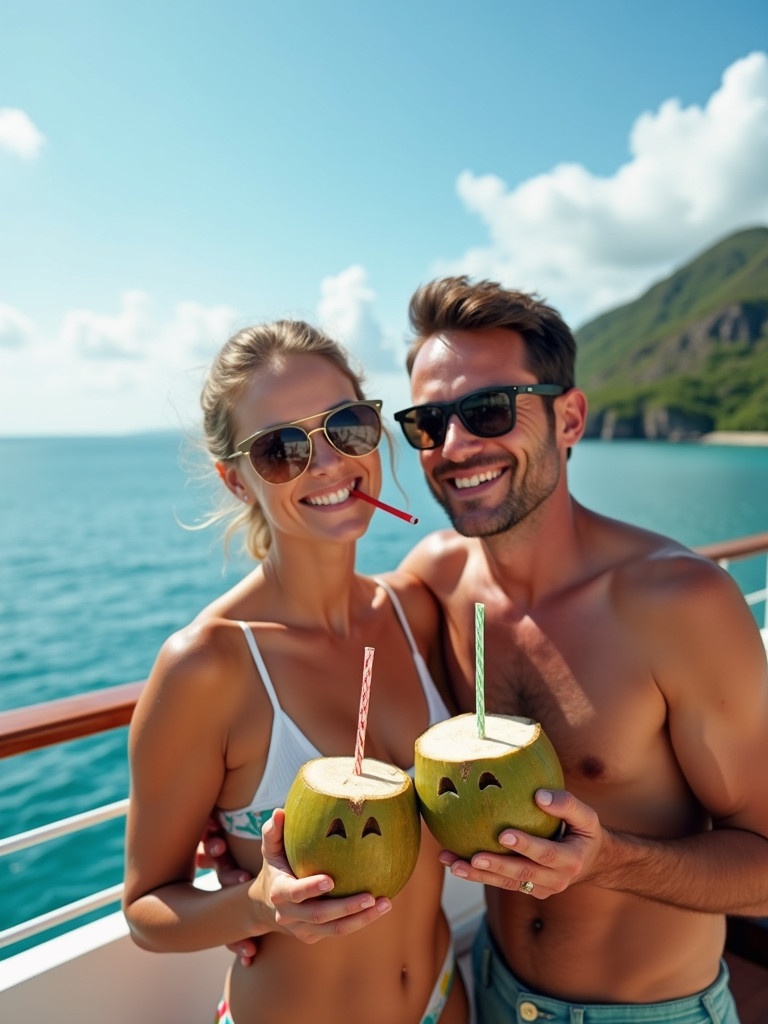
point(526, 887)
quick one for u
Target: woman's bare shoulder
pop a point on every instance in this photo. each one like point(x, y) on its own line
point(196, 664)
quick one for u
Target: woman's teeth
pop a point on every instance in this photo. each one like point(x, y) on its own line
point(330, 499)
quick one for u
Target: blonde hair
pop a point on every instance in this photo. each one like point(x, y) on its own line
point(246, 353)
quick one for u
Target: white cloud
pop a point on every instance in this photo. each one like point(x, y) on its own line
point(198, 330)
point(123, 335)
point(19, 134)
point(345, 311)
point(135, 332)
point(108, 372)
point(16, 329)
point(587, 243)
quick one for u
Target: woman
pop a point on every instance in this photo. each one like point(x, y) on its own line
point(268, 676)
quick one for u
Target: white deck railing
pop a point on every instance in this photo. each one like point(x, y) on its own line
point(77, 909)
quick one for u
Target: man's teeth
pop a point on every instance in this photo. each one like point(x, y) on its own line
point(473, 481)
point(331, 499)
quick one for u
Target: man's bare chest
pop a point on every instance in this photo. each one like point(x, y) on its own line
point(587, 684)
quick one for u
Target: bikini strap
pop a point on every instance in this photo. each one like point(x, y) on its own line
point(260, 665)
point(400, 614)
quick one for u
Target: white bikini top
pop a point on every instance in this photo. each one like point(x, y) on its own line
point(289, 748)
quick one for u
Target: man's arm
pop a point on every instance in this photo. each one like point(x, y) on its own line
point(723, 871)
point(214, 854)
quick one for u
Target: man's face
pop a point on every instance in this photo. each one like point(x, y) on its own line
point(486, 485)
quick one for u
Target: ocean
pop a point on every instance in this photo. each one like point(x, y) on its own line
point(96, 569)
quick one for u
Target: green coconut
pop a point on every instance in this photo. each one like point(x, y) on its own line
point(362, 830)
point(471, 788)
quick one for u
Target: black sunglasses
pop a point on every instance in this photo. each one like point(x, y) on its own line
point(486, 413)
point(282, 453)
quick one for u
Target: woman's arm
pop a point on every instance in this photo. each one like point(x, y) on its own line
point(177, 746)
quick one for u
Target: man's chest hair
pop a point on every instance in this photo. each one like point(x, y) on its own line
point(592, 704)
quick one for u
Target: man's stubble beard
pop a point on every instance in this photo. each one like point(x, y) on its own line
point(473, 519)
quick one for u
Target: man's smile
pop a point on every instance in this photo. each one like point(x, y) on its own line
point(482, 477)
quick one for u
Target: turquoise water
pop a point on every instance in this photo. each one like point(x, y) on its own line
point(95, 571)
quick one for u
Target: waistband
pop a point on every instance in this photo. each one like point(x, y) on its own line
point(442, 987)
point(714, 1003)
point(223, 1015)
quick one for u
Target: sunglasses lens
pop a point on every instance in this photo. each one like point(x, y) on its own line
point(354, 430)
point(424, 426)
point(488, 413)
point(483, 413)
point(281, 455)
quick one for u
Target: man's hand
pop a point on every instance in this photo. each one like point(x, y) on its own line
point(539, 867)
point(213, 853)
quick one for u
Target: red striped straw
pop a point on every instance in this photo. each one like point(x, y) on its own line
point(362, 718)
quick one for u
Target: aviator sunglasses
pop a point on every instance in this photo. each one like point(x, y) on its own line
point(489, 412)
point(282, 453)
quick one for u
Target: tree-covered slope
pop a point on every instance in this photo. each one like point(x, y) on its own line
point(689, 356)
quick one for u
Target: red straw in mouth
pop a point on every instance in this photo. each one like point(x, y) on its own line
point(386, 508)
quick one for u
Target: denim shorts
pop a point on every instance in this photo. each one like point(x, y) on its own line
point(501, 999)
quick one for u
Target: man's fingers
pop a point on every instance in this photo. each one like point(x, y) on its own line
point(215, 846)
point(246, 950)
point(232, 876)
point(578, 816)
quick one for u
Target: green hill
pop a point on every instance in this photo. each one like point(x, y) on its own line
point(689, 356)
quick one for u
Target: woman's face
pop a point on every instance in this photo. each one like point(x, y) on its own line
point(317, 501)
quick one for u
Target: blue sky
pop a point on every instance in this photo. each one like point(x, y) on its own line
point(171, 172)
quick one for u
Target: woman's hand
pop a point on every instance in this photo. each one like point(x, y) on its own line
point(301, 906)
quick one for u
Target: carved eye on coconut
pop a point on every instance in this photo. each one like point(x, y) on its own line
point(362, 830)
point(447, 785)
point(336, 828)
point(471, 788)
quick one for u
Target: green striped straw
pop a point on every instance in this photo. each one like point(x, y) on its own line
point(480, 669)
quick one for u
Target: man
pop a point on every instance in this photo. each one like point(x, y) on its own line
point(640, 659)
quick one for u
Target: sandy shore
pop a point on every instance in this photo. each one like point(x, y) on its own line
point(750, 438)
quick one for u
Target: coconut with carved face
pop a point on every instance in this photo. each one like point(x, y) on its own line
point(363, 830)
point(471, 788)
